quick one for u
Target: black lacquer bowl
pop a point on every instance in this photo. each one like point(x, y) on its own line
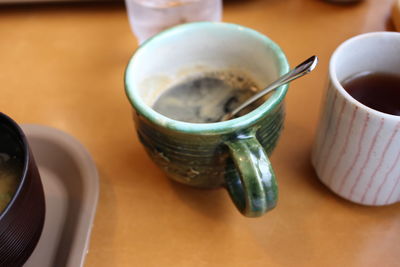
point(21, 222)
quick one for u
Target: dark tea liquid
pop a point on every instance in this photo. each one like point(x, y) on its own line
point(207, 97)
point(379, 91)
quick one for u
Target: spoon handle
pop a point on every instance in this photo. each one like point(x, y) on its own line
point(297, 72)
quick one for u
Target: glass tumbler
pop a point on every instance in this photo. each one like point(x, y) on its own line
point(148, 17)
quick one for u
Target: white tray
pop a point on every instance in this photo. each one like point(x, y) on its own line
point(71, 187)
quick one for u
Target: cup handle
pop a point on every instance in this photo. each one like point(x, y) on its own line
point(253, 188)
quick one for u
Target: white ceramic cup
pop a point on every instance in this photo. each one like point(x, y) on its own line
point(357, 149)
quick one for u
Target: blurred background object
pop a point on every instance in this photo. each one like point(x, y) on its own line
point(396, 15)
point(148, 17)
point(343, 1)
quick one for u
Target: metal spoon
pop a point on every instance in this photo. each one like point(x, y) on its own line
point(298, 71)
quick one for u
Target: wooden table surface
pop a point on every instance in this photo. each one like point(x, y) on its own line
point(62, 65)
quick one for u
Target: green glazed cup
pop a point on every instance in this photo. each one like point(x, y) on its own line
point(232, 154)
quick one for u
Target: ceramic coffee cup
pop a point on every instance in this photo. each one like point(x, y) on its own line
point(232, 154)
point(357, 149)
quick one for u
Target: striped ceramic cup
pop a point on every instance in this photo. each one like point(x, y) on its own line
point(357, 149)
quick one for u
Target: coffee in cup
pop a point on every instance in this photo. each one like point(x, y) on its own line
point(208, 154)
point(206, 97)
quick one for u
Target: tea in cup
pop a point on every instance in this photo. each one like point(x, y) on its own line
point(357, 149)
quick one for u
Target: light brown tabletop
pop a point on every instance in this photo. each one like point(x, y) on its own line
point(62, 65)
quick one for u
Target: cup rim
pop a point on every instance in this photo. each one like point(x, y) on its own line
point(20, 135)
point(215, 127)
point(337, 83)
